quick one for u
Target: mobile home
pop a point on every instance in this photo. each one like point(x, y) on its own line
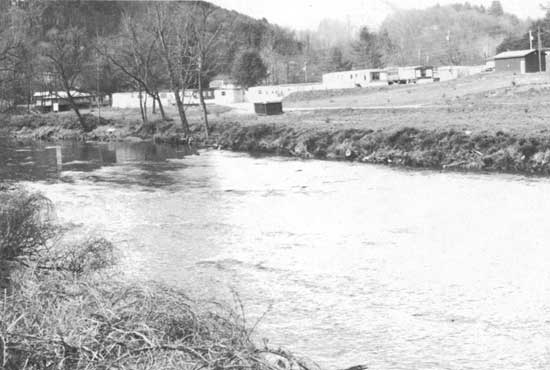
point(412, 74)
point(358, 78)
point(272, 93)
point(55, 101)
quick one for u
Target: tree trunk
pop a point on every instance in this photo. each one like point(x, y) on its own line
point(145, 108)
point(141, 110)
point(161, 108)
point(204, 111)
point(174, 81)
point(154, 105)
point(75, 108)
point(181, 112)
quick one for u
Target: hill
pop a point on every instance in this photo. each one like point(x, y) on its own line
point(458, 34)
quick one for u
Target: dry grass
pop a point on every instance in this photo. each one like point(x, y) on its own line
point(57, 323)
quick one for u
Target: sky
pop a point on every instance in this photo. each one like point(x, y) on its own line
point(306, 14)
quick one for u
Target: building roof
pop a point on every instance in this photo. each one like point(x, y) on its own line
point(514, 54)
point(357, 71)
point(60, 94)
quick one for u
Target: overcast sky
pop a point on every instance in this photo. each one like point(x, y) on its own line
point(303, 14)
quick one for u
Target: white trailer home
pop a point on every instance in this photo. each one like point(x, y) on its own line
point(359, 78)
point(275, 93)
point(412, 74)
point(55, 101)
point(131, 99)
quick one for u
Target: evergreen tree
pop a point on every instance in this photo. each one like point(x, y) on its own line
point(249, 69)
point(496, 9)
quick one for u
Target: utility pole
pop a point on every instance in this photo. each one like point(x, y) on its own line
point(540, 50)
point(97, 80)
point(307, 57)
point(448, 38)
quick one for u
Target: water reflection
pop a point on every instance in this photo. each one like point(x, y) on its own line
point(145, 163)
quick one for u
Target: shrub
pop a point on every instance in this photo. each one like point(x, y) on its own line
point(25, 228)
point(81, 257)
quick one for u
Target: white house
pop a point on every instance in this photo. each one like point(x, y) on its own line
point(359, 78)
point(226, 91)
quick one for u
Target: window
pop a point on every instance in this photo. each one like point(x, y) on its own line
point(223, 93)
point(351, 77)
point(375, 76)
point(259, 92)
point(163, 95)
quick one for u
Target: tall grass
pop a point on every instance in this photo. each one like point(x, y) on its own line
point(63, 308)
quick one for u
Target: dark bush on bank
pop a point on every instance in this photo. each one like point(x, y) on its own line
point(25, 228)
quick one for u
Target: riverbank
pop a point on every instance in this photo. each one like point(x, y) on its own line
point(502, 127)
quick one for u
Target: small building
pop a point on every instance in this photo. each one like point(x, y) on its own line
point(520, 61)
point(226, 91)
point(56, 101)
point(358, 78)
point(268, 109)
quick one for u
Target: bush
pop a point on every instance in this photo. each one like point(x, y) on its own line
point(81, 258)
point(25, 228)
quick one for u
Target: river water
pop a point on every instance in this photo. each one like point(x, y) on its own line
point(350, 263)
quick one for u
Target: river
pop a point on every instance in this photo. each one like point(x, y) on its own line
point(347, 263)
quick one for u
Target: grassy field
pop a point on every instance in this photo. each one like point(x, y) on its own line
point(441, 93)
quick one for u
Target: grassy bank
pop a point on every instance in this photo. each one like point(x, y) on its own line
point(411, 147)
point(64, 306)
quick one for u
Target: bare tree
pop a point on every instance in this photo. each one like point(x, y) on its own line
point(173, 26)
point(207, 38)
point(16, 56)
point(135, 51)
point(66, 54)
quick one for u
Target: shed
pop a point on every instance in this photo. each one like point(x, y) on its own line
point(520, 61)
point(268, 108)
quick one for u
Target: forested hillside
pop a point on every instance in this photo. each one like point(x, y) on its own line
point(518, 41)
point(448, 35)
